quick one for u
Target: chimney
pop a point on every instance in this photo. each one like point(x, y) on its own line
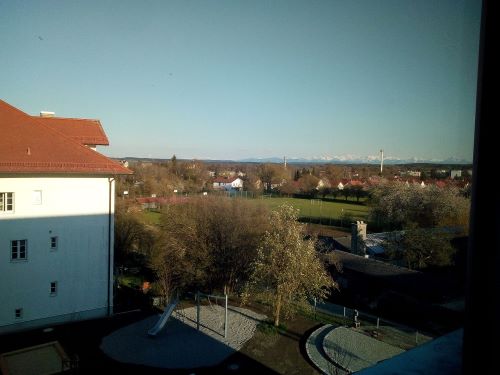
point(47, 114)
point(358, 237)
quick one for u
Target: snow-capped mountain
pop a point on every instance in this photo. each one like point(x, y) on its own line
point(357, 159)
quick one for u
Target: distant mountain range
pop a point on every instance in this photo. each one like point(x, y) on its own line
point(356, 159)
point(342, 159)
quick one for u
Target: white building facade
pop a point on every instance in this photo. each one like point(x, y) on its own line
point(228, 183)
point(56, 235)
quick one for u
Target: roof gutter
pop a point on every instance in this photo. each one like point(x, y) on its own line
point(110, 241)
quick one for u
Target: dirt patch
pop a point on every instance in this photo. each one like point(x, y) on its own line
point(282, 352)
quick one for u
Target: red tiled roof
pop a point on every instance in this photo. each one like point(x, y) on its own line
point(27, 145)
point(84, 131)
point(356, 183)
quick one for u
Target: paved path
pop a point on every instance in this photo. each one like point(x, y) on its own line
point(333, 349)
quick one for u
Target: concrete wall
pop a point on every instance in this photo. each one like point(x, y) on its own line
point(76, 211)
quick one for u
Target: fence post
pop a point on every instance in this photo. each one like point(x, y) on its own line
point(378, 322)
point(225, 319)
point(416, 337)
point(314, 307)
point(198, 310)
point(344, 311)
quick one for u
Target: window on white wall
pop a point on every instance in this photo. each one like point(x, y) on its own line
point(6, 202)
point(19, 249)
point(53, 288)
point(36, 197)
point(53, 243)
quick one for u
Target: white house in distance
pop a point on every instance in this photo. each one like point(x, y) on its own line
point(232, 183)
point(56, 220)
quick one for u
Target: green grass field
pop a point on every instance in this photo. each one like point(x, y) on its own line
point(320, 209)
point(308, 208)
point(151, 217)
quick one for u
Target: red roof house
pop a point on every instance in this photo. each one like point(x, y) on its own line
point(32, 144)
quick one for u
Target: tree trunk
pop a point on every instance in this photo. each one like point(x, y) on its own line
point(277, 310)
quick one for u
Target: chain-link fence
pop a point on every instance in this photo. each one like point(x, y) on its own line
point(384, 330)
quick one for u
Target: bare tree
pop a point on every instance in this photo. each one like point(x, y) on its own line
point(131, 234)
point(208, 243)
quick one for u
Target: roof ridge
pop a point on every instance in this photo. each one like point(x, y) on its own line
point(64, 118)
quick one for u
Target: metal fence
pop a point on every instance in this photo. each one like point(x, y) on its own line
point(382, 329)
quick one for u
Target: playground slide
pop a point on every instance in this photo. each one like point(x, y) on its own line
point(163, 318)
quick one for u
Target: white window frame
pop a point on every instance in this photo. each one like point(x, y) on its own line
point(17, 245)
point(53, 288)
point(5, 197)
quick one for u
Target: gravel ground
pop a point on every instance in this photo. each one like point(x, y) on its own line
point(354, 351)
point(179, 344)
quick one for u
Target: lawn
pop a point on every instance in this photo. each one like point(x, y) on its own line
point(318, 208)
point(151, 217)
point(132, 281)
point(324, 211)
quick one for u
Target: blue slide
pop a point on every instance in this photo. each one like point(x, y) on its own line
point(163, 318)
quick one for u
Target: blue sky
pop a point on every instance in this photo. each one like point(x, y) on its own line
point(236, 79)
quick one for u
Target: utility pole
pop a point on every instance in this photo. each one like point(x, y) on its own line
point(381, 161)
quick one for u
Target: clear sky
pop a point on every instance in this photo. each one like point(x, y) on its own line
point(236, 79)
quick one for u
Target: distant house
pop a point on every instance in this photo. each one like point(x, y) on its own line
point(455, 173)
point(276, 183)
point(341, 184)
point(376, 180)
point(232, 183)
point(323, 183)
point(356, 183)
